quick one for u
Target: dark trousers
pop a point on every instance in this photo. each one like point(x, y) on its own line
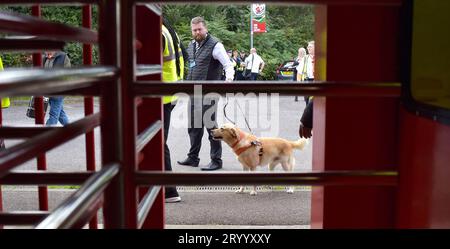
point(196, 133)
point(254, 76)
point(170, 191)
point(307, 97)
point(239, 75)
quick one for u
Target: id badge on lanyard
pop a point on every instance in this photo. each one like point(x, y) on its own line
point(192, 63)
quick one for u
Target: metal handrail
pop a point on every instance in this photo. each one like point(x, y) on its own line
point(341, 89)
point(155, 8)
point(147, 135)
point(24, 132)
point(22, 217)
point(44, 178)
point(79, 205)
point(30, 45)
point(42, 143)
point(15, 23)
point(146, 204)
point(16, 82)
point(325, 178)
point(326, 2)
point(58, 2)
point(143, 70)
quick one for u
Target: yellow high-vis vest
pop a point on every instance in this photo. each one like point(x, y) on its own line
point(169, 68)
point(5, 101)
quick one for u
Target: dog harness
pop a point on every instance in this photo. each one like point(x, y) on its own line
point(240, 150)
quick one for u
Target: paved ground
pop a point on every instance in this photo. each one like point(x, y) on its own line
point(200, 205)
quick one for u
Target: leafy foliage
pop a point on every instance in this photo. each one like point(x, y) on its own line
point(69, 15)
point(288, 28)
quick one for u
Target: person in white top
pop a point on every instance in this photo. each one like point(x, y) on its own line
point(310, 62)
point(254, 63)
point(309, 65)
point(301, 64)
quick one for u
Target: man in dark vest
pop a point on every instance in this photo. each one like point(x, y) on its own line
point(207, 58)
point(54, 60)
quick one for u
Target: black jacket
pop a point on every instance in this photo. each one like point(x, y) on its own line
point(307, 117)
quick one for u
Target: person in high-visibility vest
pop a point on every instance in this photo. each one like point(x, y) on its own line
point(306, 121)
point(5, 101)
point(5, 104)
point(172, 71)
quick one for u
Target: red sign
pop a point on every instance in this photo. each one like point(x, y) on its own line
point(259, 18)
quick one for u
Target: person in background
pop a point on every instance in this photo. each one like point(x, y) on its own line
point(172, 71)
point(5, 104)
point(309, 65)
point(254, 63)
point(207, 59)
point(241, 70)
point(55, 59)
point(237, 68)
point(306, 121)
point(299, 74)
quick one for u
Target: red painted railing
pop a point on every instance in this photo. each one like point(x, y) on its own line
point(123, 142)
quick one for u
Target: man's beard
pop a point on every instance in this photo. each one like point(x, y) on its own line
point(199, 38)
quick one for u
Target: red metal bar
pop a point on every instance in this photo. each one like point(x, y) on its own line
point(89, 103)
point(129, 121)
point(45, 178)
point(290, 2)
point(1, 137)
point(148, 31)
point(39, 120)
point(80, 207)
point(19, 82)
point(30, 45)
point(22, 218)
point(22, 24)
point(85, 91)
point(111, 139)
point(326, 178)
point(341, 89)
point(59, 2)
point(27, 150)
point(23, 132)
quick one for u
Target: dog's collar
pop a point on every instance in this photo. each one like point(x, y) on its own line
point(240, 150)
point(241, 136)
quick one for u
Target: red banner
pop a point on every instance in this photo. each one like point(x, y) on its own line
point(259, 18)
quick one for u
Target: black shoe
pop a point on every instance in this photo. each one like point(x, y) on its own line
point(171, 195)
point(213, 165)
point(189, 162)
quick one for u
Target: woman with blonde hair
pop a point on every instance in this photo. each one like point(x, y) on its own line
point(301, 64)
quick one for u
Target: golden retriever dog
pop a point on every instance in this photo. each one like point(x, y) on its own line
point(253, 152)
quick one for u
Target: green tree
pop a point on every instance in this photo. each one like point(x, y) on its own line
point(288, 28)
point(70, 15)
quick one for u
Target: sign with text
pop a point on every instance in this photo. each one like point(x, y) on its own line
point(259, 18)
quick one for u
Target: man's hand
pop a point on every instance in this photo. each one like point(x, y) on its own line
point(304, 132)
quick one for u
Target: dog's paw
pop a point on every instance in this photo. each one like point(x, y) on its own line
point(253, 192)
point(290, 190)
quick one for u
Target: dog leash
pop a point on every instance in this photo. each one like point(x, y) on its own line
point(253, 143)
point(245, 119)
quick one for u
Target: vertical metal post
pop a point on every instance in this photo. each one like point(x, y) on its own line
point(148, 32)
point(128, 107)
point(39, 119)
point(111, 114)
point(251, 26)
point(89, 104)
point(1, 197)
